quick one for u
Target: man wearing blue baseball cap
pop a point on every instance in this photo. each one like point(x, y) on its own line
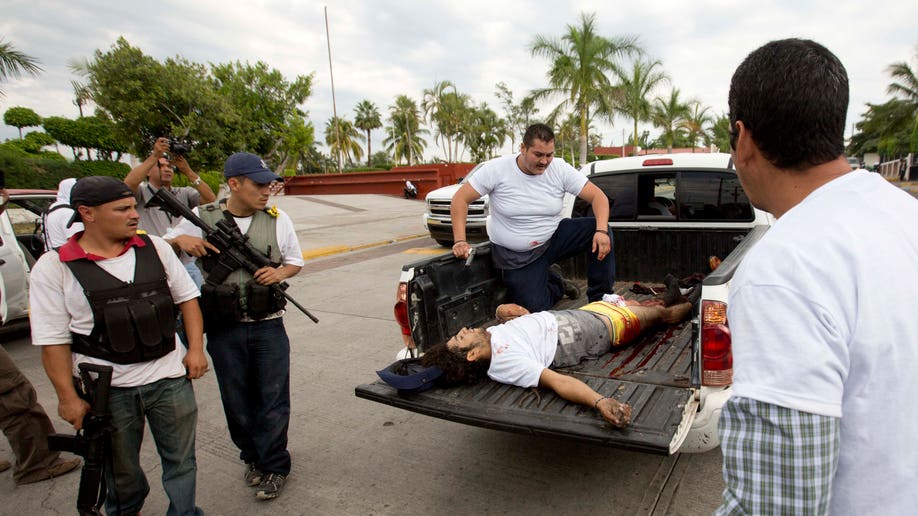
point(243, 319)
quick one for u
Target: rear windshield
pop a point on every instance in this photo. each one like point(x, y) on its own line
point(696, 195)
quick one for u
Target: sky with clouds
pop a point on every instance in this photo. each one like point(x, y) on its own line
point(384, 48)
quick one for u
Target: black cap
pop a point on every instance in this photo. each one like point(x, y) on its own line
point(96, 191)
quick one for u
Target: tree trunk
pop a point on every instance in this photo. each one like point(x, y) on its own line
point(369, 151)
point(635, 140)
point(583, 135)
point(283, 165)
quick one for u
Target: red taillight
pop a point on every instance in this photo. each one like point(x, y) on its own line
point(716, 345)
point(401, 314)
point(657, 162)
point(401, 317)
point(401, 308)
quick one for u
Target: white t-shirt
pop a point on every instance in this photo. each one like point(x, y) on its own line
point(823, 316)
point(54, 316)
point(59, 215)
point(286, 235)
point(525, 210)
point(522, 348)
point(56, 230)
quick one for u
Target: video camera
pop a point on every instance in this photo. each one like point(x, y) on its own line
point(179, 147)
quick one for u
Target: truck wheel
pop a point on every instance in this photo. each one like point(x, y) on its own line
point(445, 243)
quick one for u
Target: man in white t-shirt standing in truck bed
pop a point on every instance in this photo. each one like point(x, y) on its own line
point(527, 230)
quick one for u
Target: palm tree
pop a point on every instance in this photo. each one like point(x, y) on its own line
point(348, 138)
point(434, 104)
point(634, 89)
point(580, 61)
point(485, 132)
point(720, 130)
point(14, 63)
point(367, 118)
point(81, 95)
point(566, 132)
point(696, 123)
point(668, 115)
point(403, 136)
point(907, 86)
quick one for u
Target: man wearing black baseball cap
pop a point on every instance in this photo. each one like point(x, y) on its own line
point(108, 296)
point(246, 338)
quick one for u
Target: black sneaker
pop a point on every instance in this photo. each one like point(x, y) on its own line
point(253, 475)
point(673, 294)
point(271, 486)
point(694, 295)
point(571, 290)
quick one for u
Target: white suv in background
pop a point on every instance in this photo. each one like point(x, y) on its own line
point(437, 220)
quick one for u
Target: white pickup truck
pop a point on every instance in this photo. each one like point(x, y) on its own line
point(669, 214)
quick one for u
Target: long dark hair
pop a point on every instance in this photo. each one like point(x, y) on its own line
point(457, 370)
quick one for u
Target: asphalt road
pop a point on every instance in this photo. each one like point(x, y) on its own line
point(352, 456)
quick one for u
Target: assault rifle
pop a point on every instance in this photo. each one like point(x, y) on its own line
point(235, 249)
point(93, 442)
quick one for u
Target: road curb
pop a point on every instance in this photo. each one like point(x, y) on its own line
point(321, 252)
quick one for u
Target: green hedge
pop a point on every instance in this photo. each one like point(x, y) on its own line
point(46, 170)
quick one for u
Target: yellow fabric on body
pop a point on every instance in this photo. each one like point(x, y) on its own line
point(623, 324)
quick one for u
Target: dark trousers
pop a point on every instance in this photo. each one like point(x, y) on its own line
point(536, 288)
point(252, 362)
point(24, 423)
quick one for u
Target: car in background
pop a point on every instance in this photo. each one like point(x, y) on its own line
point(21, 243)
point(854, 162)
point(437, 220)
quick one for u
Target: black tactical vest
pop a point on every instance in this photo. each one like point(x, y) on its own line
point(133, 322)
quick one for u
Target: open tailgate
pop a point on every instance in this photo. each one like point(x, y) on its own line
point(660, 420)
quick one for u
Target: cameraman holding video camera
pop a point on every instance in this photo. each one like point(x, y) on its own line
point(158, 171)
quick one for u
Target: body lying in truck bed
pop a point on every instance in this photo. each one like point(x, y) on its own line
point(653, 374)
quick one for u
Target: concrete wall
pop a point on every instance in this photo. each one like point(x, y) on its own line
point(388, 182)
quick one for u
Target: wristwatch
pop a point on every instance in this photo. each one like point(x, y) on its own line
point(196, 182)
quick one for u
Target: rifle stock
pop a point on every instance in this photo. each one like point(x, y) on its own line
point(228, 240)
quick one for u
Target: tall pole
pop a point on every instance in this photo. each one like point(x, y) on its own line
point(334, 104)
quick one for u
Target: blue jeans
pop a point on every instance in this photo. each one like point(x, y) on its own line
point(538, 289)
point(172, 412)
point(195, 274)
point(252, 362)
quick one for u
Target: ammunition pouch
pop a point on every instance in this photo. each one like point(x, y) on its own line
point(262, 300)
point(220, 304)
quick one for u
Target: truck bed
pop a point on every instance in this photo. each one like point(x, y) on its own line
point(654, 375)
